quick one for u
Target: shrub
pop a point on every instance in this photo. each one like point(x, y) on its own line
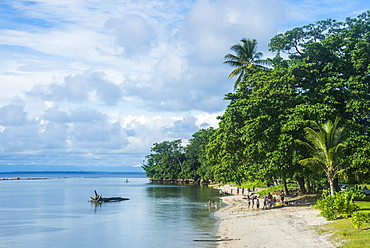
point(359, 218)
point(342, 203)
point(251, 185)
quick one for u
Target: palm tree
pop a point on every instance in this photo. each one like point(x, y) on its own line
point(324, 146)
point(246, 56)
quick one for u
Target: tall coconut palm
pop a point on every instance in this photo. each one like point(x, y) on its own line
point(246, 56)
point(325, 146)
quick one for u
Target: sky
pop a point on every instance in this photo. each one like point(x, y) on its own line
point(91, 85)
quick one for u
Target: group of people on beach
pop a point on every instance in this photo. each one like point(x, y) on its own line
point(254, 201)
point(212, 204)
point(269, 201)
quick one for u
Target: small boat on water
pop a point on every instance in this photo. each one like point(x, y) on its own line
point(99, 198)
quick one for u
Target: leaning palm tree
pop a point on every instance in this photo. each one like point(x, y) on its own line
point(325, 146)
point(246, 56)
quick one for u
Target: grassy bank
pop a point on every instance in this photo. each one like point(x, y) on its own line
point(344, 232)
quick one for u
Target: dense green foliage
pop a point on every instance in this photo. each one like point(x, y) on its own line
point(343, 231)
point(324, 147)
point(359, 218)
point(166, 160)
point(170, 160)
point(325, 75)
point(340, 204)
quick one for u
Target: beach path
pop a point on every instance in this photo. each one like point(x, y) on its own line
point(289, 226)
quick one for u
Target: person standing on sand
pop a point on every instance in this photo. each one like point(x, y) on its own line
point(265, 202)
point(269, 198)
point(282, 196)
point(258, 203)
point(249, 202)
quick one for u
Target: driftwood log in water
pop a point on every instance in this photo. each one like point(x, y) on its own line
point(99, 198)
point(213, 240)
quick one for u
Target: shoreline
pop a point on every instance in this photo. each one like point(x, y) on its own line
point(288, 226)
point(27, 178)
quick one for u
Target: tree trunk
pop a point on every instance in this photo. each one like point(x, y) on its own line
point(285, 187)
point(301, 184)
point(358, 177)
point(331, 185)
point(308, 185)
point(336, 186)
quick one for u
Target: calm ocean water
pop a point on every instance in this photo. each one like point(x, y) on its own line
point(55, 212)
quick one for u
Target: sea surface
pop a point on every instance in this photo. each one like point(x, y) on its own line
point(52, 209)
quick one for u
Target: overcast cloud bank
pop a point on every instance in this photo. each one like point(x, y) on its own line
point(91, 85)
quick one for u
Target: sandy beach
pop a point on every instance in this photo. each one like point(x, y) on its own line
point(288, 226)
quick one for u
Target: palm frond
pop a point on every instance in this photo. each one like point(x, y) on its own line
point(310, 149)
point(231, 57)
point(338, 172)
point(245, 57)
point(313, 164)
point(237, 71)
point(317, 139)
point(234, 63)
point(324, 145)
point(238, 81)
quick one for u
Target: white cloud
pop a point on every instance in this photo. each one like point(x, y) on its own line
point(212, 27)
point(183, 127)
point(51, 135)
point(87, 87)
point(83, 114)
point(13, 114)
point(132, 33)
point(98, 82)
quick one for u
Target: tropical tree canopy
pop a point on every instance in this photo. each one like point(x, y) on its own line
point(245, 58)
point(165, 161)
point(324, 76)
point(324, 146)
point(170, 160)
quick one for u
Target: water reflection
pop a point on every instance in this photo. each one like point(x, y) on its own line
point(56, 213)
point(185, 207)
point(96, 206)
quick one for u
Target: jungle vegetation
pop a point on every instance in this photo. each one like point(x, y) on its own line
point(320, 73)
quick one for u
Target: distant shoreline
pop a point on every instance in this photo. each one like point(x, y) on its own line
point(42, 175)
point(28, 178)
point(82, 172)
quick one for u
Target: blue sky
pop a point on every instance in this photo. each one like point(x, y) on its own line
point(92, 84)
